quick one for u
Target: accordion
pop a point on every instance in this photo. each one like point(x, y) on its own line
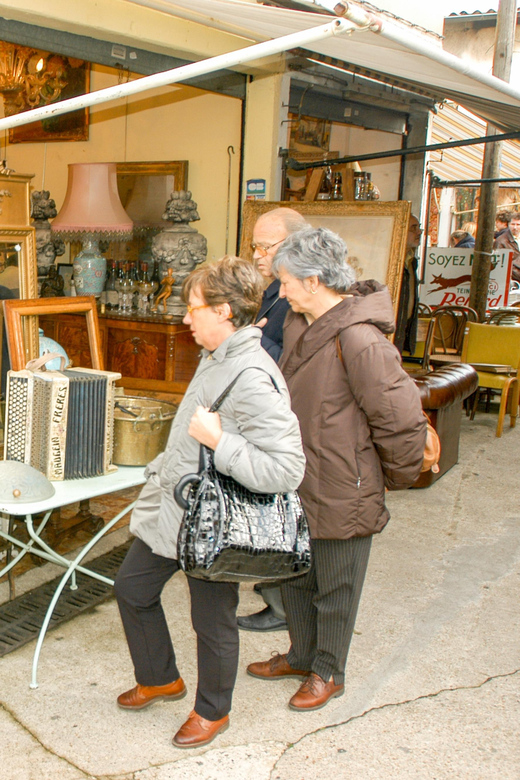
point(61, 422)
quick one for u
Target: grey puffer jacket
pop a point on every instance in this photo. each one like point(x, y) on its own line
point(260, 447)
point(360, 413)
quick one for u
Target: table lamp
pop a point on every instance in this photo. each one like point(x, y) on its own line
point(92, 211)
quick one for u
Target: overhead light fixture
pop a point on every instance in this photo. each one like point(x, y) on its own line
point(30, 78)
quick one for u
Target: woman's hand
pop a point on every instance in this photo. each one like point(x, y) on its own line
point(205, 427)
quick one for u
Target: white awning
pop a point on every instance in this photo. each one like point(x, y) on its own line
point(452, 123)
point(397, 54)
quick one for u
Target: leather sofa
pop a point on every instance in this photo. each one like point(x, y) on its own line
point(442, 393)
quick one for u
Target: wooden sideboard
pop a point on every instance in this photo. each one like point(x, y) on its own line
point(153, 354)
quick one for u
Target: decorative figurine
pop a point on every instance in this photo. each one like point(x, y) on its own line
point(53, 284)
point(166, 290)
point(180, 247)
point(48, 247)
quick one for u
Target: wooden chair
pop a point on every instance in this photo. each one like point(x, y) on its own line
point(446, 335)
point(506, 315)
point(424, 310)
point(414, 364)
point(495, 354)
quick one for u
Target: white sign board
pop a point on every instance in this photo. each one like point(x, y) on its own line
point(447, 277)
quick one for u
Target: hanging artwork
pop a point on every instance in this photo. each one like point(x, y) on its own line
point(74, 79)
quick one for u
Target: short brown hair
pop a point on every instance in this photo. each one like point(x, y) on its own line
point(230, 280)
point(504, 216)
point(515, 215)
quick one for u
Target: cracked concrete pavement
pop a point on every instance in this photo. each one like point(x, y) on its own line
point(433, 681)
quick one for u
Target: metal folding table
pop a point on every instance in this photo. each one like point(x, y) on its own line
point(67, 492)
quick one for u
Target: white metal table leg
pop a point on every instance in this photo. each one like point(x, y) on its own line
point(72, 566)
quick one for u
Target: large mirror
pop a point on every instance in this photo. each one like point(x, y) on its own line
point(375, 233)
point(18, 279)
point(144, 189)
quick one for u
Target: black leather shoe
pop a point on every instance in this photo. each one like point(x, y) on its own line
point(265, 620)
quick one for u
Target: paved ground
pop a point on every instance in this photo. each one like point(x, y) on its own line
point(433, 678)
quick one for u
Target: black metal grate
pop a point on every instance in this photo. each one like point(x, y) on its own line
point(22, 618)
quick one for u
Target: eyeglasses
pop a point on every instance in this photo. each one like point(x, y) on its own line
point(194, 308)
point(262, 249)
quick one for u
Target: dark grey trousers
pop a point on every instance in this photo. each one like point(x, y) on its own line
point(138, 587)
point(321, 606)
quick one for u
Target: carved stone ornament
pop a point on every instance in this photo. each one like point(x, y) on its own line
point(179, 247)
point(48, 246)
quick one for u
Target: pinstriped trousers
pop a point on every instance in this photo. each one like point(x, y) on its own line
point(321, 606)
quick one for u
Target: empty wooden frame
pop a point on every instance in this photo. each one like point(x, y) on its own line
point(20, 351)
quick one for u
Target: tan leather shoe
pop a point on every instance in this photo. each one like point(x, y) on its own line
point(143, 695)
point(198, 731)
point(315, 693)
point(276, 668)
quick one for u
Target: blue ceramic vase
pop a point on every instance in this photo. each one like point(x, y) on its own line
point(48, 346)
point(90, 269)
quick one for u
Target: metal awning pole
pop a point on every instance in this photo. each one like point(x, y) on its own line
point(176, 75)
point(484, 139)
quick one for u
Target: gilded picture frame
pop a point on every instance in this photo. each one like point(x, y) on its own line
point(20, 244)
point(73, 126)
point(375, 233)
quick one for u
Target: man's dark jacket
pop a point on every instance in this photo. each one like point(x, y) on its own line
point(406, 328)
point(274, 308)
point(504, 239)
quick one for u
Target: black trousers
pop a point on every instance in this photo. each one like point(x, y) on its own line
point(321, 606)
point(138, 587)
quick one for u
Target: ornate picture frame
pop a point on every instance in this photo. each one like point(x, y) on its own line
point(23, 244)
point(73, 126)
point(375, 233)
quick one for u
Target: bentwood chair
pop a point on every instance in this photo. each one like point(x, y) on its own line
point(495, 354)
point(505, 315)
point(446, 335)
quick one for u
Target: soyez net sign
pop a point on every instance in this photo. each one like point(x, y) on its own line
point(447, 277)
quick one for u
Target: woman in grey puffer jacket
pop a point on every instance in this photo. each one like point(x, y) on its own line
point(256, 440)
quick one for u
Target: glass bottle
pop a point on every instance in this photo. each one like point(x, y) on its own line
point(326, 185)
point(337, 187)
point(155, 279)
point(361, 185)
point(111, 294)
point(144, 289)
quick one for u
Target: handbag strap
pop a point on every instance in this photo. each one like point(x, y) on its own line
point(220, 400)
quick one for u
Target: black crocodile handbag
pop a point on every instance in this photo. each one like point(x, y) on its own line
point(231, 534)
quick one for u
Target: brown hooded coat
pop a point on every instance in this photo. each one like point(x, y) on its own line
point(360, 414)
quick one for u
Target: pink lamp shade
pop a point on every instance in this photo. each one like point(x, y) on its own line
point(92, 205)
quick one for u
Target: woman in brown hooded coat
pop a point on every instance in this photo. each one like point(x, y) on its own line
point(363, 430)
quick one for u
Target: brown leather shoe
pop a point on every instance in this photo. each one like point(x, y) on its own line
point(143, 695)
point(314, 693)
point(276, 668)
point(198, 731)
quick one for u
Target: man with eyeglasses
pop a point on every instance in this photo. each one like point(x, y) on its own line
point(270, 231)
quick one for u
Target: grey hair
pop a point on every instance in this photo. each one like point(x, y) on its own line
point(291, 219)
point(316, 252)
